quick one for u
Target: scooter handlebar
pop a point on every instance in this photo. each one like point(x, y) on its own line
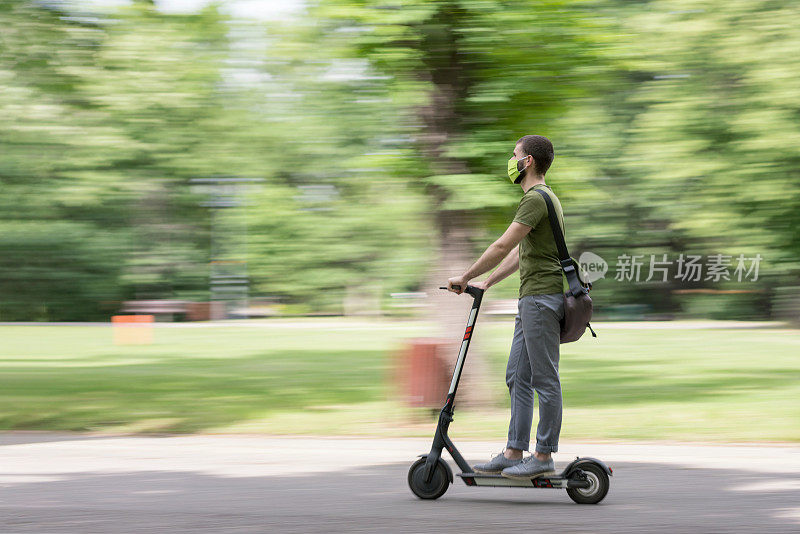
point(472, 291)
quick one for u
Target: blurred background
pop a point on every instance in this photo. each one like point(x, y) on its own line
point(277, 189)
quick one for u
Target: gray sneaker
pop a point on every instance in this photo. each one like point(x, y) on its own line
point(495, 465)
point(530, 467)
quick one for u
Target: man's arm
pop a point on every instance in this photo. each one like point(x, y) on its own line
point(493, 255)
point(507, 267)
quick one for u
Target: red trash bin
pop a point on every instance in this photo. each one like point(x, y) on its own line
point(424, 372)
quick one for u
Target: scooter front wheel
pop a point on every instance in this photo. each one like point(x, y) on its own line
point(428, 490)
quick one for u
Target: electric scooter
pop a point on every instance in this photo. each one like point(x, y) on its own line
point(585, 479)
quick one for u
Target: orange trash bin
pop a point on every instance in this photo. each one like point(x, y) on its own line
point(424, 373)
point(132, 329)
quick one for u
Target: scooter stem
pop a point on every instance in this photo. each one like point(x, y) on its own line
point(477, 294)
point(440, 439)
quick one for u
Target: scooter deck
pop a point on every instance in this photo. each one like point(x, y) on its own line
point(557, 482)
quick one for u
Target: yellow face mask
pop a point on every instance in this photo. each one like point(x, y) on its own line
point(516, 170)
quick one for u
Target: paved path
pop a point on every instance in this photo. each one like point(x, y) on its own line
point(64, 483)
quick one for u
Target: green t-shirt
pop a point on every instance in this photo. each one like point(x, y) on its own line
point(539, 268)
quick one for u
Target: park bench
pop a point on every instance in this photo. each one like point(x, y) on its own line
point(163, 310)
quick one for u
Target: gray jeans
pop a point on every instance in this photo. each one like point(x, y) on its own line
point(533, 366)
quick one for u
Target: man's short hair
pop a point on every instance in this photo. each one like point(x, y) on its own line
point(540, 148)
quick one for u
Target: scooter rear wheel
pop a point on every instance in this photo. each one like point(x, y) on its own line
point(428, 490)
point(598, 485)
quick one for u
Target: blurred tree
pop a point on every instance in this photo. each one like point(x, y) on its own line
point(51, 268)
point(722, 111)
point(471, 78)
point(382, 131)
point(334, 217)
point(460, 82)
point(102, 123)
point(689, 147)
point(157, 80)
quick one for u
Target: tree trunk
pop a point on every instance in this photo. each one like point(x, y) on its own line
point(449, 312)
point(450, 84)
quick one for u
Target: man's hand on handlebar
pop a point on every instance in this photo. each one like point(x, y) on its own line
point(481, 285)
point(457, 284)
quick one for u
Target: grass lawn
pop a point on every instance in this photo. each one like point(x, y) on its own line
point(331, 376)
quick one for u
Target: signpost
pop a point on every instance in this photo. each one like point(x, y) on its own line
point(229, 284)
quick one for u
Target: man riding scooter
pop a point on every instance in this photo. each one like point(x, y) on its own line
point(528, 245)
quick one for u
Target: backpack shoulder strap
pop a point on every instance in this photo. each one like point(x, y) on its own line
point(567, 263)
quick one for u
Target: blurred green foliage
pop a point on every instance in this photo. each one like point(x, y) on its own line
point(381, 129)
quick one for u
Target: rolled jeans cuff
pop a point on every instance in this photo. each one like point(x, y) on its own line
point(517, 444)
point(546, 449)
